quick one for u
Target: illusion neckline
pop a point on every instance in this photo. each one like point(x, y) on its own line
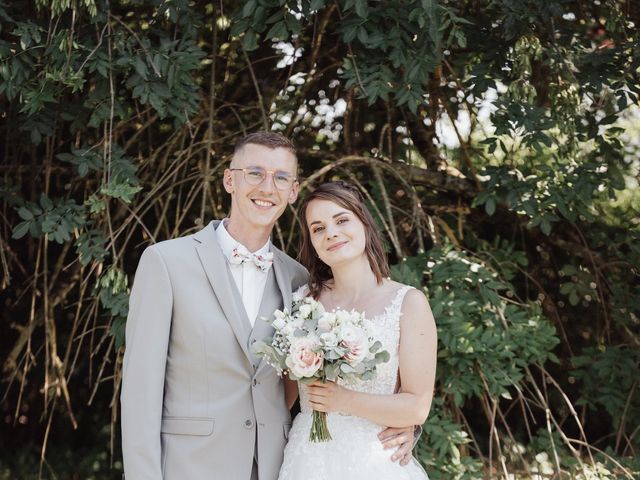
point(378, 315)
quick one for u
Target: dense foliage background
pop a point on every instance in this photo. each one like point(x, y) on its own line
point(497, 143)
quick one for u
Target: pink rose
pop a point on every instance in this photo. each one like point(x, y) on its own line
point(305, 357)
point(355, 339)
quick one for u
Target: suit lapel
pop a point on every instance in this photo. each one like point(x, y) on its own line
point(283, 281)
point(271, 301)
point(215, 266)
point(282, 277)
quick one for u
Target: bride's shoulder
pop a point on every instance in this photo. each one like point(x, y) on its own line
point(414, 305)
point(397, 289)
point(408, 296)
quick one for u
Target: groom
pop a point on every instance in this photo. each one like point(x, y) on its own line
point(196, 402)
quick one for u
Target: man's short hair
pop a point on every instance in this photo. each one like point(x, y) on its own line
point(266, 139)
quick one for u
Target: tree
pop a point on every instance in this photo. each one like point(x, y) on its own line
point(495, 144)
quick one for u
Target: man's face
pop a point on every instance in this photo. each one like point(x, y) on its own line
point(259, 206)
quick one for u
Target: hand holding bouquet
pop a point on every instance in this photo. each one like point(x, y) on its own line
point(312, 344)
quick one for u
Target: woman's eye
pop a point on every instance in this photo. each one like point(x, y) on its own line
point(317, 229)
point(342, 220)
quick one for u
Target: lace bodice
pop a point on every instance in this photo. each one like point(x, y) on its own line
point(384, 327)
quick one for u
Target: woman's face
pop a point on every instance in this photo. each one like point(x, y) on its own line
point(337, 234)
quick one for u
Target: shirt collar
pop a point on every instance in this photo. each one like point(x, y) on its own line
point(228, 243)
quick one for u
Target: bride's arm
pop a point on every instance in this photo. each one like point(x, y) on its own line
point(290, 391)
point(417, 357)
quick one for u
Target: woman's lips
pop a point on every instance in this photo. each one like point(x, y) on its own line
point(336, 246)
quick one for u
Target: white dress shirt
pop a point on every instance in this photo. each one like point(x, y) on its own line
point(249, 279)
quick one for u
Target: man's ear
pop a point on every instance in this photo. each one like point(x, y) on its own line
point(227, 180)
point(293, 194)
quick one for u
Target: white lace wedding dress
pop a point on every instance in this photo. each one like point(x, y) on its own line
point(355, 452)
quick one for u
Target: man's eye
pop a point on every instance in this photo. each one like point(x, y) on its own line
point(282, 177)
point(255, 173)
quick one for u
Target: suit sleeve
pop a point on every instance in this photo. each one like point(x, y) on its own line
point(147, 340)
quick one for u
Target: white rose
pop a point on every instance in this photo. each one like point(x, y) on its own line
point(305, 310)
point(343, 316)
point(327, 321)
point(318, 309)
point(297, 321)
point(329, 339)
point(356, 340)
point(305, 357)
point(288, 329)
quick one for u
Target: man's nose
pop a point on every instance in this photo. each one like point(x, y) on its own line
point(268, 183)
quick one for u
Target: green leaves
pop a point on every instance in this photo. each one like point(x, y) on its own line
point(581, 286)
point(604, 382)
point(409, 271)
point(113, 290)
point(392, 56)
point(443, 437)
point(29, 33)
point(90, 246)
point(163, 79)
point(478, 328)
point(122, 191)
point(85, 159)
point(55, 218)
point(152, 67)
point(249, 8)
point(60, 6)
point(547, 193)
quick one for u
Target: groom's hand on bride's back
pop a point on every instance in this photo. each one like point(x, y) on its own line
point(402, 439)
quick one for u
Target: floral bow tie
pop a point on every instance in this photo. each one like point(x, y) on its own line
point(240, 255)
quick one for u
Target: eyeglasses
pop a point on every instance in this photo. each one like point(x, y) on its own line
point(257, 175)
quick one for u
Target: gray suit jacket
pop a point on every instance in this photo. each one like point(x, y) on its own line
point(196, 403)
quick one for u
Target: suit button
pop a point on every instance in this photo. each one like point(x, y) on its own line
point(248, 423)
point(255, 382)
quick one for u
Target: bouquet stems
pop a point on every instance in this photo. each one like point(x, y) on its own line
point(319, 429)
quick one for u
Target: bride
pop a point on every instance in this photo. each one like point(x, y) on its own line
point(348, 270)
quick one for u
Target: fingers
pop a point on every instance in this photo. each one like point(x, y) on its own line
point(395, 441)
point(325, 384)
point(318, 407)
point(317, 392)
point(389, 432)
point(317, 398)
point(400, 439)
point(323, 396)
point(406, 446)
point(403, 443)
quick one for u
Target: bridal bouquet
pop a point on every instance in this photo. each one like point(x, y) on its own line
point(312, 344)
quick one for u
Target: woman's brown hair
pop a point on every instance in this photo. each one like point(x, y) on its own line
point(347, 196)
